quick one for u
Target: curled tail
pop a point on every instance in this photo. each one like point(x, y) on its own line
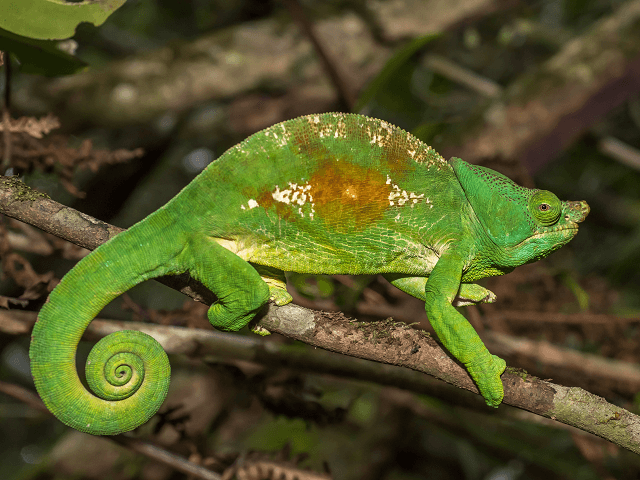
point(128, 370)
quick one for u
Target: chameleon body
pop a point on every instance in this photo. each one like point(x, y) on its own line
point(331, 193)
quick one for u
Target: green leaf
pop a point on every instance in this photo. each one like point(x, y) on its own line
point(53, 19)
point(41, 57)
point(390, 68)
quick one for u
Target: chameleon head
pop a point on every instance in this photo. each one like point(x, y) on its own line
point(523, 225)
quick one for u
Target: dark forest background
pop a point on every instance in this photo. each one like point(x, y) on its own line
point(546, 92)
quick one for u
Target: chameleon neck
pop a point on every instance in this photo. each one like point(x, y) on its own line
point(136, 366)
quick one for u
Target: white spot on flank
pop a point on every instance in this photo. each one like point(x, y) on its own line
point(399, 196)
point(281, 195)
point(251, 204)
point(295, 194)
point(282, 139)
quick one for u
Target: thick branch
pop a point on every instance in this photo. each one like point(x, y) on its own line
point(385, 342)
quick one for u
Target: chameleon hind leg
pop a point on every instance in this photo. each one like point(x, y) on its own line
point(275, 279)
point(240, 290)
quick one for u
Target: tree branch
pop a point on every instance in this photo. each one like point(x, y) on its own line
point(386, 342)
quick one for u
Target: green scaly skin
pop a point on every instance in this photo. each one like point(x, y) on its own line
point(331, 193)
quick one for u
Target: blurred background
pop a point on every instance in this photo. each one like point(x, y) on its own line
point(116, 120)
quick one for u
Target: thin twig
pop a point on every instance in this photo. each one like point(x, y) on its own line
point(342, 86)
point(6, 116)
point(463, 76)
point(158, 454)
point(620, 151)
point(589, 370)
point(584, 318)
point(161, 455)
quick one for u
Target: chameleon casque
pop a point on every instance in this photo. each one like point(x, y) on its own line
point(330, 193)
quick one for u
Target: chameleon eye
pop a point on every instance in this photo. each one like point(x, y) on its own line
point(545, 207)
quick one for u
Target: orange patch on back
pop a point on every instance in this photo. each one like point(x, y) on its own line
point(348, 197)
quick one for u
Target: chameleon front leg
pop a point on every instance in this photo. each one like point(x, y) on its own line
point(468, 293)
point(456, 333)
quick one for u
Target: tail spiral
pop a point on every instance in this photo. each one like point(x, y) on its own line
point(127, 371)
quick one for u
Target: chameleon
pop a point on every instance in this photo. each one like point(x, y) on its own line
point(330, 193)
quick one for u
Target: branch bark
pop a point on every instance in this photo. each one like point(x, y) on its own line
point(386, 342)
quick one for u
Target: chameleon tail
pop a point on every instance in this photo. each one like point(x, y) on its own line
point(136, 367)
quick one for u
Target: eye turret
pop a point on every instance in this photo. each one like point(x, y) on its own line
point(545, 208)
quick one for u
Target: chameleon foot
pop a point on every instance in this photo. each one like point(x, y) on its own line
point(279, 296)
point(473, 294)
point(258, 330)
point(486, 374)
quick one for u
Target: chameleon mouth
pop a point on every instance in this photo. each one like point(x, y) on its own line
point(571, 227)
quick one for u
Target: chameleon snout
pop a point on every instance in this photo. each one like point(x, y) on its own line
point(576, 211)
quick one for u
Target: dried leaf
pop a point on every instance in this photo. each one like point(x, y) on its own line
point(261, 466)
point(32, 126)
point(5, 301)
point(31, 151)
point(18, 268)
point(269, 470)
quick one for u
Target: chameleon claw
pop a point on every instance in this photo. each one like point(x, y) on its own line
point(259, 330)
point(279, 296)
